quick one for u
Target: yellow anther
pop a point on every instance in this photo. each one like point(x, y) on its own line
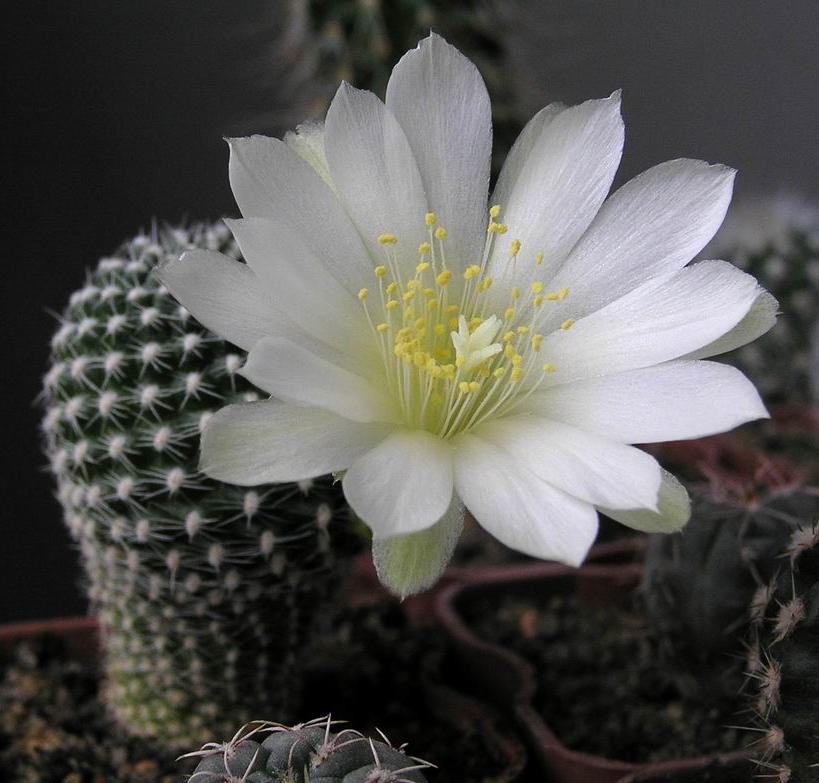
point(562, 293)
point(419, 359)
point(517, 360)
point(413, 285)
point(552, 296)
point(472, 272)
point(420, 323)
point(380, 271)
point(463, 387)
point(429, 293)
point(382, 327)
point(537, 340)
point(538, 300)
point(515, 293)
point(474, 387)
point(387, 239)
point(453, 323)
point(422, 267)
point(409, 313)
point(363, 293)
point(509, 313)
point(509, 351)
point(425, 248)
point(523, 330)
point(440, 233)
point(443, 353)
point(500, 372)
point(443, 278)
point(440, 330)
point(510, 335)
point(494, 211)
point(432, 305)
point(485, 284)
point(474, 323)
point(408, 296)
point(537, 288)
point(538, 258)
point(430, 218)
point(516, 374)
point(567, 324)
point(514, 248)
point(549, 367)
point(391, 288)
point(497, 228)
point(452, 310)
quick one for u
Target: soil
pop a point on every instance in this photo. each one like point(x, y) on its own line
point(372, 670)
point(600, 686)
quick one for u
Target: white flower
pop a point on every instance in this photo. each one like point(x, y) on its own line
point(448, 353)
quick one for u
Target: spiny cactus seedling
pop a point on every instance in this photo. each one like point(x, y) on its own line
point(776, 239)
point(312, 752)
point(204, 590)
point(699, 583)
point(783, 665)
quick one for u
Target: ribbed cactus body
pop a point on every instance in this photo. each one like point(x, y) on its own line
point(312, 752)
point(699, 583)
point(204, 590)
point(783, 663)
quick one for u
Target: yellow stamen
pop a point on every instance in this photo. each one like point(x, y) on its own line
point(567, 324)
point(363, 293)
point(387, 239)
point(430, 218)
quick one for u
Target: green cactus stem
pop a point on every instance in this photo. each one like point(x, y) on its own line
point(204, 590)
point(312, 752)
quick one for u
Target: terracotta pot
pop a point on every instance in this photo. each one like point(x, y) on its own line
point(713, 770)
point(81, 635)
point(506, 680)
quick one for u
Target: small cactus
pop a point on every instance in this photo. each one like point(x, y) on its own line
point(782, 663)
point(776, 239)
point(312, 752)
point(204, 590)
point(699, 583)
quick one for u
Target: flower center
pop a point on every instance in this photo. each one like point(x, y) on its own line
point(449, 362)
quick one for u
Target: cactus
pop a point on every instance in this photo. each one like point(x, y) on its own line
point(699, 583)
point(783, 666)
point(312, 752)
point(204, 590)
point(777, 241)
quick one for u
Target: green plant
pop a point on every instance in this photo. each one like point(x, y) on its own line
point(699, 583)
point(312, 752)
point(205, 591)
point(783, 666)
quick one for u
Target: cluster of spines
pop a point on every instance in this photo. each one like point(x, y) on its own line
point(312, 752)
point(782, 663)
point(203, 589)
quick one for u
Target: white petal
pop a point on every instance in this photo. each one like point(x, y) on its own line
point(759, 319)
point(224, 295)
point(663, 319)
point(654, 224)
point(375, 172)
point(584, 465)
point(673, 401)
point(271, 181)
point(293, 374)
point(559, 188)
point(674, 510)
point(262, 442)
point(301, 286)
point(409, 564)
point(520, 509)
point(440, 100)
point(402, 485)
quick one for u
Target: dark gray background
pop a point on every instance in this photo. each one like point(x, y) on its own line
point(115, 113)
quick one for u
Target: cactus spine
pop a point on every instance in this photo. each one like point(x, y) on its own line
point(312, 752)
point(783, 665)
point(204, 590)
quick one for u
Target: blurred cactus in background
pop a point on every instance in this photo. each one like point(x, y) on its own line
point(783, 665)
point(205, 591)
point(312, 752)
point(699, 583)
point(776, 239)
